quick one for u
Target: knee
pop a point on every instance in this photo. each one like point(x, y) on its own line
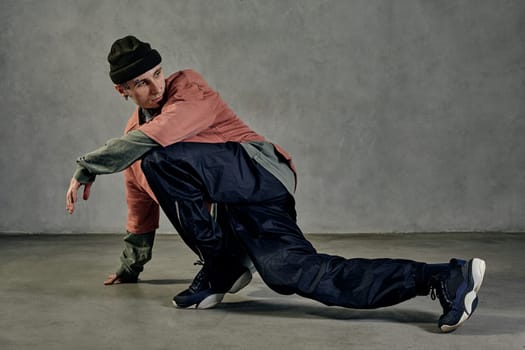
point(276, 283)
point(278, 275)
point(152, 159)
point(280, 289)
point(163, 157)
point(289, 273)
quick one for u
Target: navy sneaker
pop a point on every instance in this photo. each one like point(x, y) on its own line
point(202, 295)
point(458, 292)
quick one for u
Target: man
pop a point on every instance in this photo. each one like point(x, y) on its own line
point(143, 210)
point(194, 150)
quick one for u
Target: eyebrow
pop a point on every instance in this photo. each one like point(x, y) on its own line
point(138, 81)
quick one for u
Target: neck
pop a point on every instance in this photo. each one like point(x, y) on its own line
point(147, 114)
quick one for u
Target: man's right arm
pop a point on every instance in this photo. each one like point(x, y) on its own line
point(116, 155)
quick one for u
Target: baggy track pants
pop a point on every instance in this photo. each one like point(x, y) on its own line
point(261, 214)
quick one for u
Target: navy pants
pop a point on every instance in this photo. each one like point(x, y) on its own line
point(260, 215)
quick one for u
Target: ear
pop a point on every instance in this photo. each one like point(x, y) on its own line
point(120, 89)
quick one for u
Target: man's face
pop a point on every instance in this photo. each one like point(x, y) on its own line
point(146, 90)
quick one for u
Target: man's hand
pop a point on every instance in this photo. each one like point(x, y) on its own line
point(112, 279)
point(71, 195)
point(116, 279)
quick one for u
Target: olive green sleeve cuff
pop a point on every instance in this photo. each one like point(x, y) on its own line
point(116, 155)
point(136, 253)
point(83, 175)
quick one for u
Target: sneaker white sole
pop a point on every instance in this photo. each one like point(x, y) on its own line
point(241, 282)
point(478, 272)
point(210, 301)
point(214, 299)
point(207, 303)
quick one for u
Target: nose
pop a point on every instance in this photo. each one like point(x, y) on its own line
point(155, 87)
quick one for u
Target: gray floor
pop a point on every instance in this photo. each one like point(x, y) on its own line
point(52, 297)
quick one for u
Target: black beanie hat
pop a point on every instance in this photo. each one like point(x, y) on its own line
point(129, 57)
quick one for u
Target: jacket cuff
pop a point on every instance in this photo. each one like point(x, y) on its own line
point(126, 276)
point(83, 176)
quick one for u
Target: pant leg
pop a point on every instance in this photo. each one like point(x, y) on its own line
point(288, 264)
point(262, 215)
point(184, 178)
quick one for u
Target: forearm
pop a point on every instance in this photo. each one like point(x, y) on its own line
point(116, 155)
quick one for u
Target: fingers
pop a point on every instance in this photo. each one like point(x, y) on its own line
point(87, 191)
point(71, 195)
point(112, 279)
point(70, 204)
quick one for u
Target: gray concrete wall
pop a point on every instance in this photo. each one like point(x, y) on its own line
point(401, 115)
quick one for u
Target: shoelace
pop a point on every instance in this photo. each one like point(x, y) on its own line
point(441, 293)
point(199, 278)
point(433, 293)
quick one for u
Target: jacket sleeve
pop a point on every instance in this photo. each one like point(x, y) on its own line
point(143, 210)
point(179, 121)
point(116, 155)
